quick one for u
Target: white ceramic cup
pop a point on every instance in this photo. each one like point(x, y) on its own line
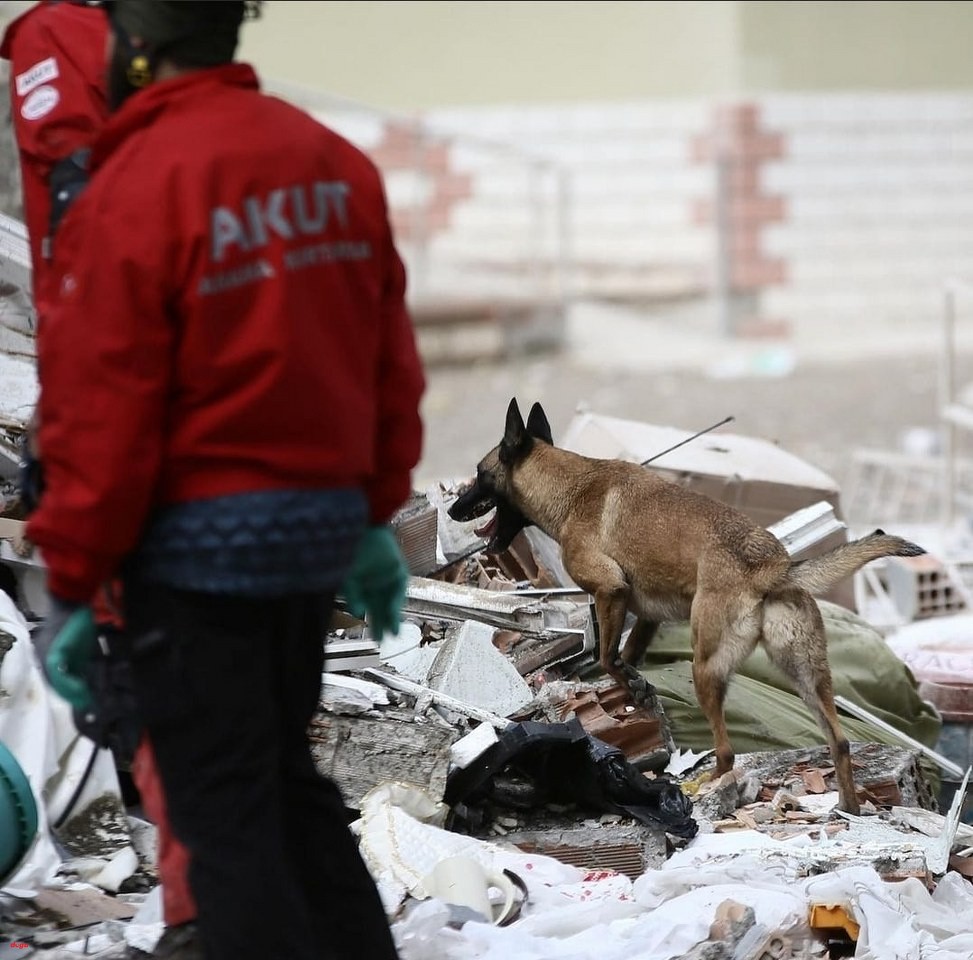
point(462, 881)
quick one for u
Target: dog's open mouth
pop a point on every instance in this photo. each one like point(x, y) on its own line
point(488, 529)
point(502, 521)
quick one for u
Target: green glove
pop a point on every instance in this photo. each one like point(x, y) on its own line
point(70, 650)
point(377, 580)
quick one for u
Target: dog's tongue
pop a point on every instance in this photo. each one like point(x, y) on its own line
point(487, 529)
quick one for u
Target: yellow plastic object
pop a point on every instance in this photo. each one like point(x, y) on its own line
point(691, 787)
point(834, 916)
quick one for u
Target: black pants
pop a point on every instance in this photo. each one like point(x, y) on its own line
point(226, 687)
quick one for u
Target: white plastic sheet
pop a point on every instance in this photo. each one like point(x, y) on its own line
point(665, 912)
point(37, 727)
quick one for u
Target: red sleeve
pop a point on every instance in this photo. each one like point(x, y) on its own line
point(57, 64)
point(104, 355)
point(400, 387)
point(57, 99)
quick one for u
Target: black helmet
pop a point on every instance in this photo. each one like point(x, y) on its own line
point(193, 33)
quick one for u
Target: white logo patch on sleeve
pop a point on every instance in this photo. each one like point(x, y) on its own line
point(39, 73)
point(40, 103)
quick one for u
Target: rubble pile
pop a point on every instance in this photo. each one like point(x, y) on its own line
point(484, 737)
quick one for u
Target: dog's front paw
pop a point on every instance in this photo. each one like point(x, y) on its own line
point(642, 691)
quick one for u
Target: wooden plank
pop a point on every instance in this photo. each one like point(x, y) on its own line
point(81, 908)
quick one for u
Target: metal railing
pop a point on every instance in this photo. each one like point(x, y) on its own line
point(483, 226)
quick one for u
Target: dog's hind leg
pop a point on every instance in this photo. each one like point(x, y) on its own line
point(796, 643)
point(724, 635)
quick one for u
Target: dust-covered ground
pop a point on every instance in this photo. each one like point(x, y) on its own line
point(820, 399)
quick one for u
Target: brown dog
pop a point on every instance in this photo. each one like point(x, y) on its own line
point(638, 542)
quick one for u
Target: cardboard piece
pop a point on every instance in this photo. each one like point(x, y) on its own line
point(81, 908)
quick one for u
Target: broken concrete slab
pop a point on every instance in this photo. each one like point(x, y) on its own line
point(82, 907)
point(507, 610)
point(460, 661)
point(362, 752)
point(351, 695)
point(888, 775)
point(455, 539)
point(470, 668)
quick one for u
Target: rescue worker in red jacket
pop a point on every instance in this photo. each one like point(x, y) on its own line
point(57, 98)
point(230, 396)
point(56, 52)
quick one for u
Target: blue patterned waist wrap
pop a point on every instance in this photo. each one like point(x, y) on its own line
point(264, 543)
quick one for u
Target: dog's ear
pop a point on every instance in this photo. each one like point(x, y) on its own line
point(514, 434)
point(538, 426)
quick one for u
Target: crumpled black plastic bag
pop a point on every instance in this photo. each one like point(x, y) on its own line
point(537, 763)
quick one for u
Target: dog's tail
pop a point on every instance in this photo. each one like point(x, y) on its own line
point(820, 573)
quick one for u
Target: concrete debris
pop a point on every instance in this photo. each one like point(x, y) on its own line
point(363, 751)
point(470, 668)
point(883, 773)
point(484, 731)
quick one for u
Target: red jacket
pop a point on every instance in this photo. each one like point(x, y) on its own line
point(231, 317)
point(57, 98)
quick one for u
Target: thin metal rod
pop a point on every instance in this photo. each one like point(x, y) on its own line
point(861, 713)
point(676, 446)
point(405, 685)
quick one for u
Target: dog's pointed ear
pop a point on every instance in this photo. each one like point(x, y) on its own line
point(538, 426)
point(514, 430)
point(514, 434)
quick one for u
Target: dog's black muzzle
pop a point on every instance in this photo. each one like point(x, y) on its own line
point(476, 502)
point(472, 504)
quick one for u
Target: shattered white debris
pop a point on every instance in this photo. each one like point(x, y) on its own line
point(682, 761)
point(470, 668)
point(37, 727)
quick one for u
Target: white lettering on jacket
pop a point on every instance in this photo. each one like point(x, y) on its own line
point(304, 209)
point(39, 73)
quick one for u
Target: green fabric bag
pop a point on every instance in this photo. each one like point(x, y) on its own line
point(764, 713)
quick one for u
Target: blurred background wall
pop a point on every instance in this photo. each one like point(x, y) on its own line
point(771, 169)
point(425, 54)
